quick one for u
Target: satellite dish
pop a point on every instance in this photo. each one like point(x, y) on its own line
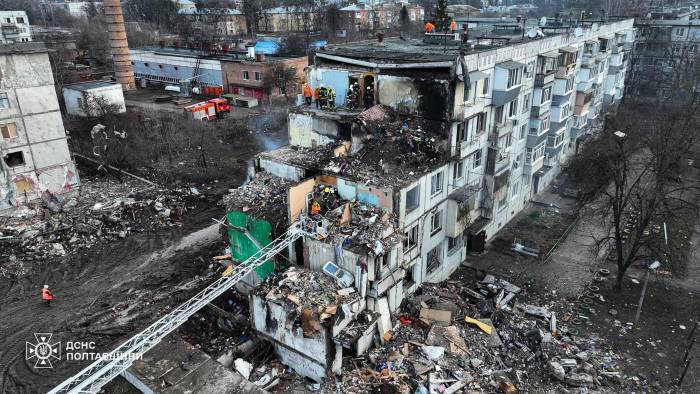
point(578, 32)
point(594, 27)
point(532, 33)
point(543, 21)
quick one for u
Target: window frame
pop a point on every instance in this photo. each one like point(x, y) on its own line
point(436, 183)
point(433, 222)
point(412, 232)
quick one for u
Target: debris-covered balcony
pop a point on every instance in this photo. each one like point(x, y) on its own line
point(301, 312)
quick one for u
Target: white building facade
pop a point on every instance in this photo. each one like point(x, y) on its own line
point(33, 142)
point(14, 27)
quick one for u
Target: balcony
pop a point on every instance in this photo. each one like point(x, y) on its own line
point(588, 60)
point(10, 30)
point(564, 72)
point(473, 107)
point(460, 205)
point(466, 148)
point(542, 80)
point(500, 129)
point(542, 109)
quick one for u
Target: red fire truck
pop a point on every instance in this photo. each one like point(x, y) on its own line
point(216, 108)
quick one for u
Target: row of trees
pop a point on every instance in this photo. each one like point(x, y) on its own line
point(634, 179)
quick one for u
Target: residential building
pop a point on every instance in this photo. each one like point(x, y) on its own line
point(94, 98)
point(78, 9)
point(245, 76)
point(14, 27)
point(437, 146)
point(217, 22)
point(33, 142)
point(288, 19)
point(368, 17)
point(665, 61)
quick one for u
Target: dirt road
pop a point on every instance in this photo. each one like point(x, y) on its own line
point(103, 296)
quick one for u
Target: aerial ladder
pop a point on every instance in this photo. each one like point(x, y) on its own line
point(102, 371)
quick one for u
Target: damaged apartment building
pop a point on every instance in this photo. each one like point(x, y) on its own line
point(432, 147)
point(33, 142)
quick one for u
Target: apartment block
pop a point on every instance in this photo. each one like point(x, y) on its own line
point(664, 60)
point(14, 27)
point(33, 146)
point(432, 147)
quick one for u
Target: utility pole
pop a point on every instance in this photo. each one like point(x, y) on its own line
point(651, 267)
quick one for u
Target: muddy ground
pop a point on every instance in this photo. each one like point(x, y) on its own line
point(109, 292)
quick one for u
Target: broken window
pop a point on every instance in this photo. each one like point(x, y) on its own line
point(14, 159)
point(453, 243)
point(530, 70)
point(461, 132)
point(436, 183)
point(526, 102)
point(258, 76)
point(412, 199)
point(8, 131)
point(434, 258)
point(476, 159)
point(499, 114)
point(436, 222)
point(481, 122)
point(457, 170)
point(4, 100)
point(245, 75)
point(523, 131)
point(513, 108)
point(411, 240)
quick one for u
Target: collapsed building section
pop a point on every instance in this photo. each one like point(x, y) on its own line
point(434, 146)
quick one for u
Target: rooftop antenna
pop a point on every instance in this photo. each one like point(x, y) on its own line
point(543, 21)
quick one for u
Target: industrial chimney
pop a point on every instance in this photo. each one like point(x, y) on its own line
point(120, 47)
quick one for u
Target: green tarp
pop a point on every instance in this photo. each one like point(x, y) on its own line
point(243, 247)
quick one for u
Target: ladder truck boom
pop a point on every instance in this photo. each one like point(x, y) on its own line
point(99, 373)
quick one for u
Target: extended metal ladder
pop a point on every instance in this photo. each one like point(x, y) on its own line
point(99, 373)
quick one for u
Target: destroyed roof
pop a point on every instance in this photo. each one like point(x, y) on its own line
point(394, 154)
point(264, 196)
point(394, 50)
point(307, 158)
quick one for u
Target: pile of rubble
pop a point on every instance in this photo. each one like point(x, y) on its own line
point(354, 224)
point(315, 296)
point(263, 196)
point(393, 151)
point(104, 211)
point(455, 338)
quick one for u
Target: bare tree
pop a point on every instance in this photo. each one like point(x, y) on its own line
point(631, 179)
point(280, 76)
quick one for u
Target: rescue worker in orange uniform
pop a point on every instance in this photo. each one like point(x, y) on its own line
point(317, 97)
point(315, 208)
point(46, 295)
point(453, 26)
point(308, 93)
point(429, 27)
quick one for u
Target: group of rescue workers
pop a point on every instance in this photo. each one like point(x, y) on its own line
point(322, 96)
point(325, 198)
point(430, 28)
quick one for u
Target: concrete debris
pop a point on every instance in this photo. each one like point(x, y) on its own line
point(522, 353)
point(105, 211)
